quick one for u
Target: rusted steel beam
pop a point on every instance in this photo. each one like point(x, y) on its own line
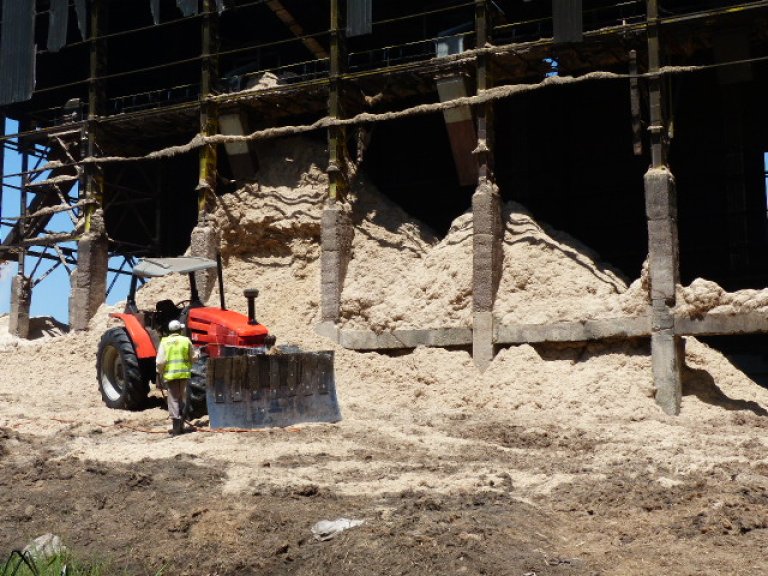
point(336, 160)
point(22, 226)
point(94, 181)
point(287, 18)
point(656, 129)
point(484, 81)
point(209, 124)
point(634, 96)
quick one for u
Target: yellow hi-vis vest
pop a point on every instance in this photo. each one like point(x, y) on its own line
point(178, 357)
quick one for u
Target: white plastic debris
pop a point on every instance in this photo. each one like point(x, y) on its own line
point(327, 529)
point(45, 546)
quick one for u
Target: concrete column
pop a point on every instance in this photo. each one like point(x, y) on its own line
point(336, 243)
point(89, 279)
point(487, 232)
point(336, 229)
point(205, 243)
point(21, 300)
point(661, 211)
point(486, 269)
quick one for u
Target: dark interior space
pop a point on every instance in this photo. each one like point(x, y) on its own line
point(748, 353)
point(253, 38)
point(717, 159)
point(403, 31)
point(566, 154)
point(410, 161)
point(148, 60)
point(151, 207)
point(178, 183)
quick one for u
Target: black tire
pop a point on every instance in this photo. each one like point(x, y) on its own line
point(117, 370)
point(197, 406)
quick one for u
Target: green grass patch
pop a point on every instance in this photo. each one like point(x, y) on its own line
point(60, 565)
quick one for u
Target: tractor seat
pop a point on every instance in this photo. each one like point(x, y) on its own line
point(166, 311)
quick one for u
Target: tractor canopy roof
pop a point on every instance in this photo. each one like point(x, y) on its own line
point(153, 267)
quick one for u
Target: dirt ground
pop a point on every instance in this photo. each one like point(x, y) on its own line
point(554, 461)
point(448, 475)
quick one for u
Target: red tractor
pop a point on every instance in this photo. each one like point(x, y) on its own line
point(126, 356)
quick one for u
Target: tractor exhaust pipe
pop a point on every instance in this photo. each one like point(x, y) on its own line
point(250, 295)
point(220, 278)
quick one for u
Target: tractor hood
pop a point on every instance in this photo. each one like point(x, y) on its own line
point(228, 319)
point(154, 267)
point(217, 329)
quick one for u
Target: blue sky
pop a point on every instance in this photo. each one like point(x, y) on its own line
point(51, 296)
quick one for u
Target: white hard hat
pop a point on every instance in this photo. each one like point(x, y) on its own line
point(175, 326)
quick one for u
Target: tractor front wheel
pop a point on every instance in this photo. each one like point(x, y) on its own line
point(197, 406)
point(119, 374)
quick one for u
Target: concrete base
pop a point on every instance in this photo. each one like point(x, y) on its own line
point(396, 339)
point(336, 243)
point(722, 324)
point(621, 328)
point(21, 300)
point(485, 335)
point(482, 339)
point(667, 356)
point(205, 244)
point(328, 330)
point(585, 331)
point(89, 281)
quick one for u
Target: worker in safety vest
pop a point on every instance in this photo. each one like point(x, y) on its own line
point(174, 369)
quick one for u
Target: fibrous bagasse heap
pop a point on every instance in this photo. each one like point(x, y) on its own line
point(400, 275)
point(547, 276)
point(270, 233)
point(704, 296)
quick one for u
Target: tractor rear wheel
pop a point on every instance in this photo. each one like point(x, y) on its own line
point(197, 406)
point(119, 374)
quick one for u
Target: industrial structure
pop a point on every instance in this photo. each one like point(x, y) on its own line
point(638, 126)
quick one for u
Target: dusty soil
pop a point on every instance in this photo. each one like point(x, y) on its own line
point(554, 461)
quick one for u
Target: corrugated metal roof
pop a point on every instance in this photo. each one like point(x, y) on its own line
point(81, 7)
point(187, 7)
point(17, 52)
point(154, 6)
point(359, 17)
point(58, 20)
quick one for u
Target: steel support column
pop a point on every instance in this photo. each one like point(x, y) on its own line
point(2, 163)
point(634, 103)
point(205, 238)
point(337, 160)
point(486, 209)
point(336, 231)
point(661, 212)
point(89, 280)
point(206, 187)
